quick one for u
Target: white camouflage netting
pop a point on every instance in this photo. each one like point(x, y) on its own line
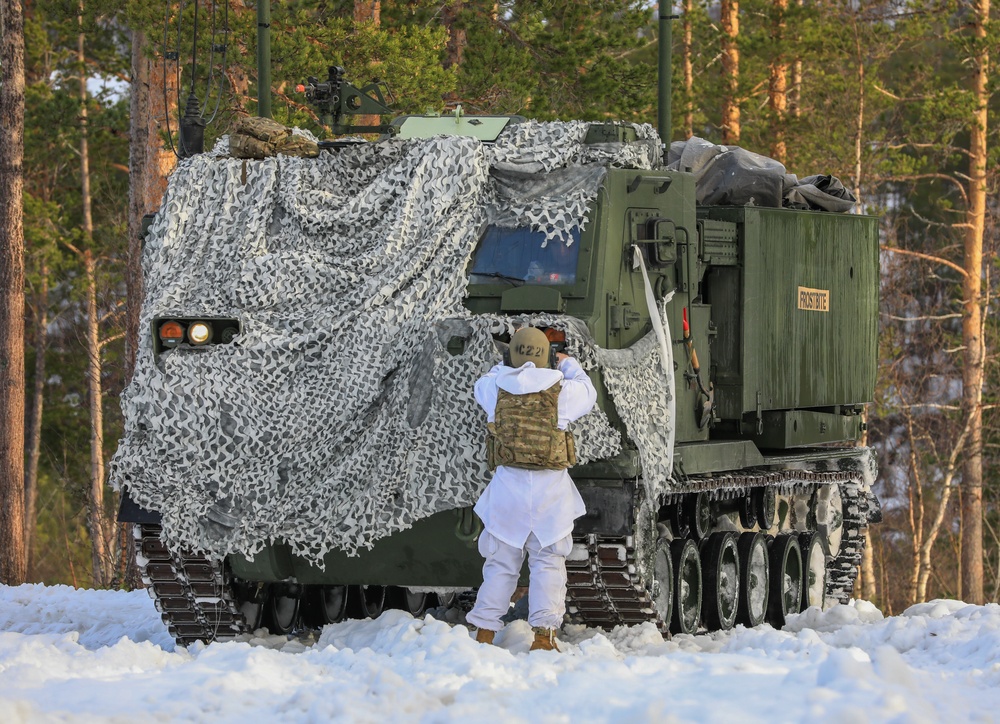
point(338, 416)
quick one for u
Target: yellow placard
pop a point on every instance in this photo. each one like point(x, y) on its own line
point(814, 300)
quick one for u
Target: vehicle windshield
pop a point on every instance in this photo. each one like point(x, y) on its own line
point(517, 255)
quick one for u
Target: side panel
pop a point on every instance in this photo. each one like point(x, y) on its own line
point(808, 309)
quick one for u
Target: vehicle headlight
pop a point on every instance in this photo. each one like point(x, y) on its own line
point(199, 333)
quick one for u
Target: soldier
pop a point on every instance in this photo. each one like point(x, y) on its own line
point(531, 502)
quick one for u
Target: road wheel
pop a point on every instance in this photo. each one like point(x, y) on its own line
point(403, 599)
point(369, 601)
point(814, 570)
point(324, 605)
point(785, 588)
point(754, 581)
point(687, 586)
point(281, 612)
point(663, 585)
point(720, 573)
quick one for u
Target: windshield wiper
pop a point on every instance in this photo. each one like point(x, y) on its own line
point(515, 281)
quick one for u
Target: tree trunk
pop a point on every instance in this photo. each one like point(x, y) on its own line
point(868, 591)
point(859, 130)
point(795, 93)
point(972, 332)
point(101, 544)
point(916, 514)
point(368, 11)
point(866, 575)
point(731, 71)
point(97, 515)
point(457, 42)
point(13, 558)
point(149, 165)
point(34, 445)
point(686, 63)
point(777, 85)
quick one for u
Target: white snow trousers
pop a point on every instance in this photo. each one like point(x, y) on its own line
point(546, 581)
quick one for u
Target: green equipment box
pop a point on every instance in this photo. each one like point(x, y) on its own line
point(797, 318)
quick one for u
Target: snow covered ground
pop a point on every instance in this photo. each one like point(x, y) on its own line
point(82, 656)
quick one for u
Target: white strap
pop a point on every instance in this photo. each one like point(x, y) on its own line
point(662, 330)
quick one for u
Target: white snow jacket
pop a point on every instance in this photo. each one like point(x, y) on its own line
point(519, 502)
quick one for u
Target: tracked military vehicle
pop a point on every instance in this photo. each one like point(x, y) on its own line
point(301, 440)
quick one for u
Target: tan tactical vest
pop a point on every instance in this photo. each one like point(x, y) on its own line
point(525, 432)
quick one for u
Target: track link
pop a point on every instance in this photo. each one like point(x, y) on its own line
point(190, 591)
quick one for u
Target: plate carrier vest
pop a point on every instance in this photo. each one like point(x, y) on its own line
point(525, 432)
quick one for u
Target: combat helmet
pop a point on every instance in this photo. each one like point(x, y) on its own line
point(529, 344)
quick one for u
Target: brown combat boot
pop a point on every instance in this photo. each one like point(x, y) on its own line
point(485, 636)
point(545, 639)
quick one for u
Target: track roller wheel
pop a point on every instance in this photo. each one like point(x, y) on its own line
point(663, 587)
point(700, 515)
point(814, 570)
point(678, 518)
point(720, 573)
point(687, 585)
point(369, 601)
point(748, 515)
point(785, 582)
point(754, 581)
point(764, 507)
point(281, 611)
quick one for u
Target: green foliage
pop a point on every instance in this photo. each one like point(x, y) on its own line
point(551, 60)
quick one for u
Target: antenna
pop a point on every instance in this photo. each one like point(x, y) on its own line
point(192, 121)
point(664, 56)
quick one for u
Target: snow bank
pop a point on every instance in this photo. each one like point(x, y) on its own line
point(68, 655)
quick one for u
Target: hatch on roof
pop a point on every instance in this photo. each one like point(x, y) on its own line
point(485, 128)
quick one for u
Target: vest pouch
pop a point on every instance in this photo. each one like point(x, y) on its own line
point(491, 441)
point(570, 450)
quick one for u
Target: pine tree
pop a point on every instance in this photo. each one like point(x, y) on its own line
point(13, 557)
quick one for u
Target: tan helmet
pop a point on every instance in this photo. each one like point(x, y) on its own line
point(529, 345)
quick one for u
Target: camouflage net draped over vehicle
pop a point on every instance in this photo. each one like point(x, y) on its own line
point(339, 416)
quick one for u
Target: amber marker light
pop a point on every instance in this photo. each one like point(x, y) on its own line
point(199, 333)
point(171, 333)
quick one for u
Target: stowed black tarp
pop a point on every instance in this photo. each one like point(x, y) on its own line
point(733, 176)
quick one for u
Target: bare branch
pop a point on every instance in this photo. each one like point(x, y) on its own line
point(928, 318)
point(926, 257)
point(939, 176)
point(948, 148)
point(938, 224)
point(108, 340)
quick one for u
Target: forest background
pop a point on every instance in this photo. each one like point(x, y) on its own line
point(893, 97)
